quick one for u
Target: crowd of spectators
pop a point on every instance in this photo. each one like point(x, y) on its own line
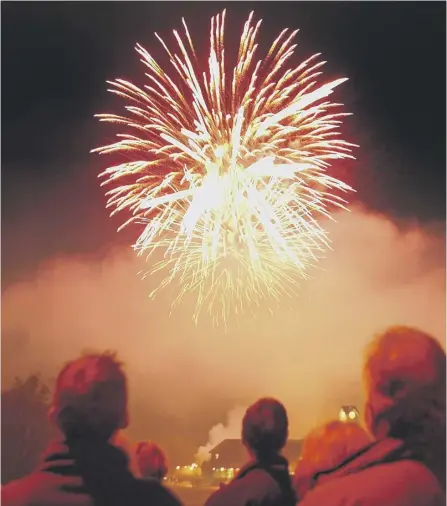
point(397, 457)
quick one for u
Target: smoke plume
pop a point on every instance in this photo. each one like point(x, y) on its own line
point(231, 429)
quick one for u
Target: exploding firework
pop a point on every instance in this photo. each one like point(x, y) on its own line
point(227, 172)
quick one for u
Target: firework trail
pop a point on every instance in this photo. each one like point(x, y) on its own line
point(227, 172)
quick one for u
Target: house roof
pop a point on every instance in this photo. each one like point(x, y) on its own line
point(232, 453)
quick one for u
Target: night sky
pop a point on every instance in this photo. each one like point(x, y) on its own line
point(56, 58)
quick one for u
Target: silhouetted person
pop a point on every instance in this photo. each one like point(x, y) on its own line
point(265, 480)
point(151, 461)
point(325, 448)
point(123, 443)
point(404, 378)
point(84, 468)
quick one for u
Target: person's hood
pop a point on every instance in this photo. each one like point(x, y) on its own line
point(88, 465)
point(380, 452)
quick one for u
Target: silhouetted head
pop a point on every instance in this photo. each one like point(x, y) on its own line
point(405, 385)
point(265, 428)
point(325, 448)
point(90, 399)
point(151, 460)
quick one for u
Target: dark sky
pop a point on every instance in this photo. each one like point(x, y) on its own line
point(56, 58)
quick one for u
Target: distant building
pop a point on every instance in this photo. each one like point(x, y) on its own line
point(232, 454)
point(348, 414)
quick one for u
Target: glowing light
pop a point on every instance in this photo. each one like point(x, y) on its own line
point(227, 170)
point(342, 416)
point(352, 415)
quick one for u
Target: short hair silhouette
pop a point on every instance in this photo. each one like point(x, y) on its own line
point(151, 460)
point(405, 385)
point(90, 398)
point(265, 428)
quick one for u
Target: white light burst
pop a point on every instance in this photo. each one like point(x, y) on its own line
point(228, 171)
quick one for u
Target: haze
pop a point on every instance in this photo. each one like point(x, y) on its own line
point(186, 378)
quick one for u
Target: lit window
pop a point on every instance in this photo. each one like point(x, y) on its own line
point(342, 416)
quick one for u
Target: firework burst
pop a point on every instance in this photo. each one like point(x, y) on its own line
point(227, 172)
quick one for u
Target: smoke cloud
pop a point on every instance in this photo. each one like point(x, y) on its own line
point(184, 378)
point(231, 429)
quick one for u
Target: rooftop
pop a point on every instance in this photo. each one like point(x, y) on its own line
point(232, 453)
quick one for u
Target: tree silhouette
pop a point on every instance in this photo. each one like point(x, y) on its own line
point(26, 429)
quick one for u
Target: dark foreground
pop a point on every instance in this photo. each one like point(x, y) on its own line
point(192, 496)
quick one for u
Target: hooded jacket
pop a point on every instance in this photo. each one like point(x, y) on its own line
point(383, 473)
point(258, 484)
point(88, 473)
